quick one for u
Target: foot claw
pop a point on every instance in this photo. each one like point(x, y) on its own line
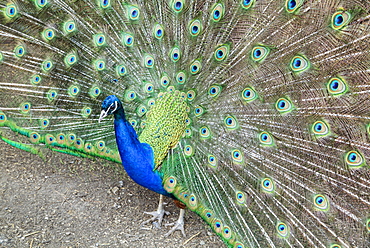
point(178, 225)
point(156, 215)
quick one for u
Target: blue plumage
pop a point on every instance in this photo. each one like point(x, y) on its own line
point(137, 158)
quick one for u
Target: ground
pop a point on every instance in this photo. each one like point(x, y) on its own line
point(65, 201)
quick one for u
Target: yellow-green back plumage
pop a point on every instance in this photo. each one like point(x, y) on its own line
point(274, 150)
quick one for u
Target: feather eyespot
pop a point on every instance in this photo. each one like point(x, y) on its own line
point(240, 197)
point(368, 225)
point(100, 40)
point(259, 53)
point(165, 81)
point(121, 70)
point(133, 13)
point(71, 138)
point(104, 4)
point(212, 161)
point(86, 112)
point(195, 67)
point(195, 27)
point(282, 230)
point(188, 150)
point(293, 5)
point(335, 246)
point(237, 156)
point(141, 110)
point(246, 4)
point(214, 91)
point(49, 138)
point(48, 34)
point(205, 132)
point(70, 59)
point(208, 215)
point(321, 203)
point(61, 138)
point(249, 94)
point(267, 185)
point(2, 117)
point(177, 6)
point(34, 137)
point(41, 3)
point(100, 145)
point(158, 31)
point(320, 128)
point(35, 79)
point(340, 19)
point(148, 61)
point(221, 52)
point(226, 232)
point(44, 123)
point(73, 90)
point(180, 77)
point(337, 86)
point(170, 184)
point(11, 10)
point(94, 91)
point(69, 27)
point(149, 88)
point(47, 65)
point(193, 202)
point(354, 159)
point(238, 245)
point(217, 12)
point(283, 105)
point(25, 107)
point(217, 225)
point(175, 54)
point(99, 65)
point(19, 51)
point(231, 122)
point(198, 111)
point(190, 95)
point(51, 95)
point(127, 39)
point(266, 139)
point(133, 122)
point(79, 143)
point(188, 132)
point(88, 147)
point(299, 64)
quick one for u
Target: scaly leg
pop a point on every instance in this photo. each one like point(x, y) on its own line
point(178, 225)
point(157, 214)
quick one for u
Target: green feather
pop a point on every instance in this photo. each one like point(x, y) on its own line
point(257, 111)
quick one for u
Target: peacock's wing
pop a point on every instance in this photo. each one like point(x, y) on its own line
point(277, 147)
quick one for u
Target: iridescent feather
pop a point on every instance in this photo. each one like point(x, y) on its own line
point(271, 100)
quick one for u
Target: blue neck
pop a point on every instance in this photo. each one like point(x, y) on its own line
point(137, 158)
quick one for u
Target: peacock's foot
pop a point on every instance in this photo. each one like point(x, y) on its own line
point(178, 225)
point(157, 215)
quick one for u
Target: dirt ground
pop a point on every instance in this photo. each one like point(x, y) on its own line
point(65, 201)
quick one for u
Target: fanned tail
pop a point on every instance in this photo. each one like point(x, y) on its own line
point(277, 143)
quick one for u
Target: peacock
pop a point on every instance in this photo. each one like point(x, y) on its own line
point(255, 114)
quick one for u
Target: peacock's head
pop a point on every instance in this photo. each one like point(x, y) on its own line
point(109, 106)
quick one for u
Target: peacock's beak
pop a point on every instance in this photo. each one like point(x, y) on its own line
point(103, 114)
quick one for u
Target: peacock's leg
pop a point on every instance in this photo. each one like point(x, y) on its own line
point(178, 225)
point(157, 214)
